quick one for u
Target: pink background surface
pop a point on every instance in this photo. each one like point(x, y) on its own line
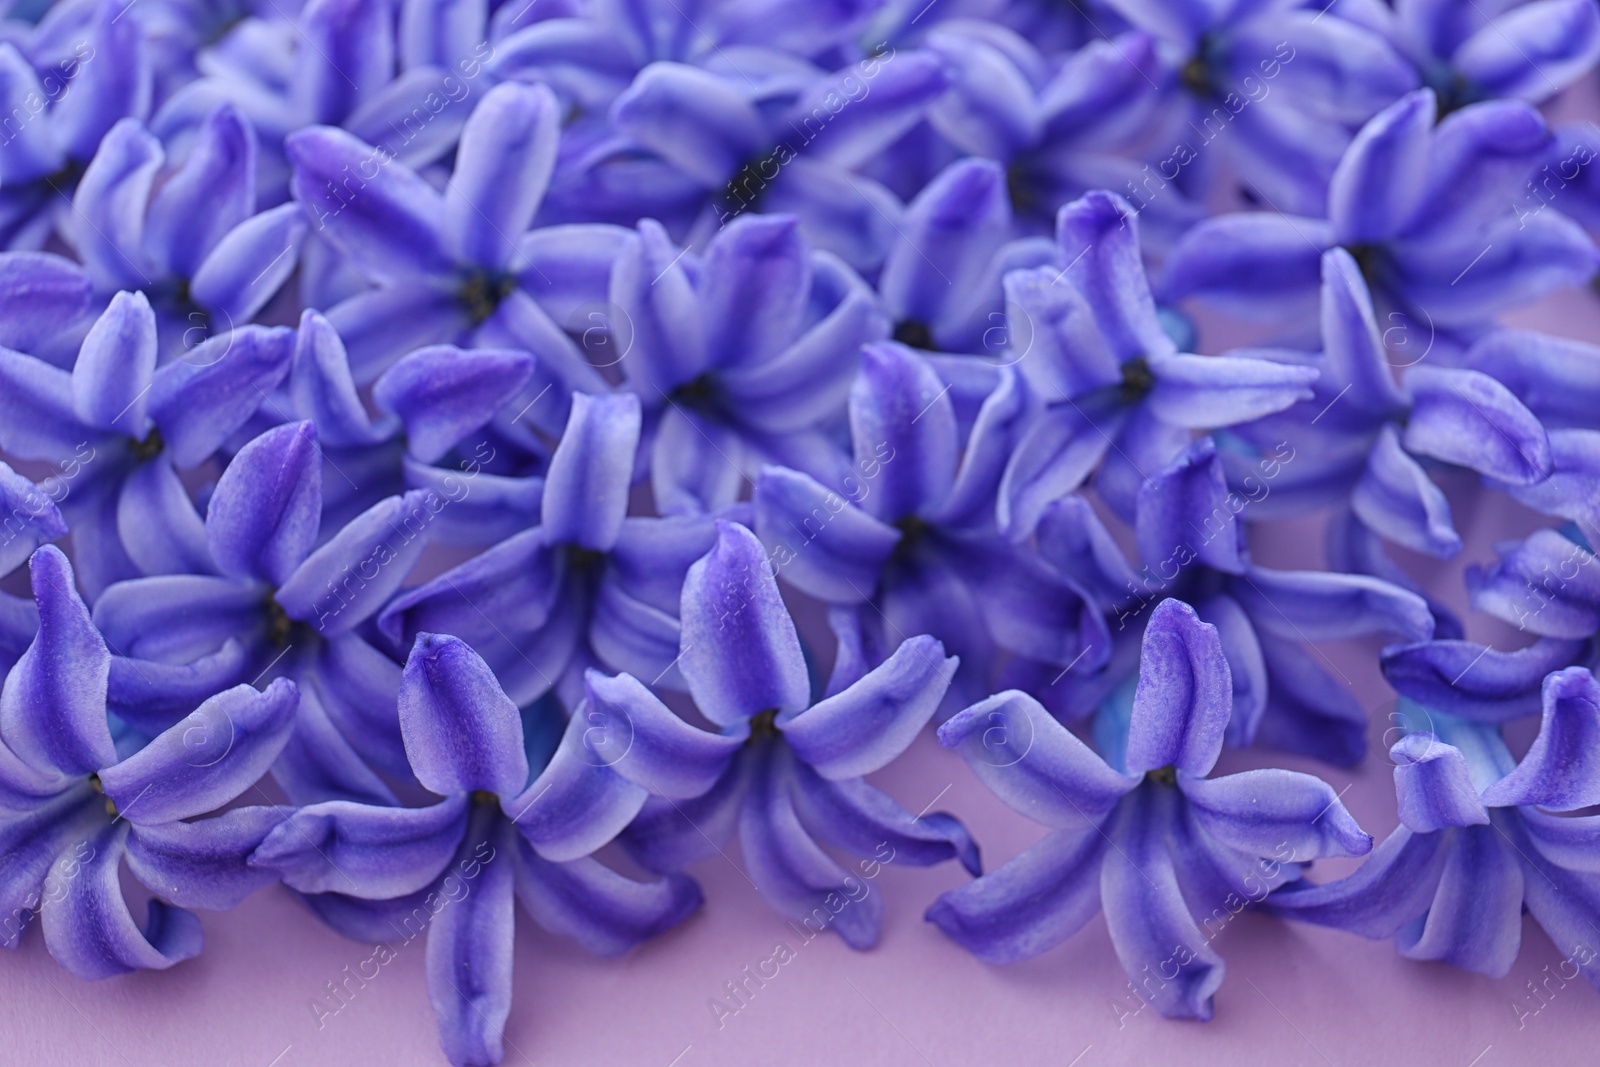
point(1294, 994)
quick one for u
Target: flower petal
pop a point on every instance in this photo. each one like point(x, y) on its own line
point(112, 376)
point(263, 516)
point(503, 164)
point(468, 956)
point(202, 864)
point(603, 911)
point(1475, 921)
point(1396, 499)
point(1476, 681)
point(208, 393)
point(461, 730)
point(631, 731)
point(1467, 418)
point(741, 654)
point(89, 929)
point(586, 486)
point(1184, 696)
point(1392, 888)
point(207, 759)
point(53, 705)
point(1434, 785)
point(1030, 904)
point(376, 853)
point(865, 727)
point(1033, 763)
point(864, 820)
point(1562, 768)
point(1262, 811)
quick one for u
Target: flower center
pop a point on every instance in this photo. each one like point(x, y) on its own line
point(764, 725)
point(149, 448)
point(699, 393)
point(1137, 379)
point(279, 625)
point(1167, 775)
point(482, 292)
point(914, 333)
point(111, 807)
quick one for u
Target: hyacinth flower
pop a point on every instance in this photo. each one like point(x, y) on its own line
point(456, 868)
point(120, 428)
point(265, 590)
point(446, 421)
point(588, 585)
point(1273, 89)
point(1420, 204)
point(461, 266)
point(54, 133)
point(790, 144)
point(941, 280)
point(739, 356)
point(783, 773)
point(330, 63)
point(1521, 50)
point(1190, 536)
point(1362, 439)
point(906, 544)
point(1118, 395)
point(1558, 380)
point(1480, 840)
point(75, 803)
point(1058, 132)
point(1142, 834)
point(187, 236)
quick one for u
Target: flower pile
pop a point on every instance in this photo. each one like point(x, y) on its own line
point(420, 418)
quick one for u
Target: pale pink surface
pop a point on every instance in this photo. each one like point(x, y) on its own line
point(1294, 994)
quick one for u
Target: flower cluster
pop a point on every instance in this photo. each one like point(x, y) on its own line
point(460, 420)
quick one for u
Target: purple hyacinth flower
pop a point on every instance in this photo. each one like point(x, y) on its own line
point(1191, 539)
point(74, 805)
point(1362, 439)
point(259, 587)
point(188, 236)
point(792, 145)
point(1518, 50)
point(1274, 89)
point(905, 543)
point(1479, 840)
point(589, 585)
point(1478, 682)
point(448, 420)
point(119, 428)
point(1169, 854)
point(461, 266)
point(1118, 394)
point(1058, 133)
point(103, 59)
point(457, 867)
point(942, 278)
point(345, 63)
point(1420, 203)
point(783, 773)
point(739, 356)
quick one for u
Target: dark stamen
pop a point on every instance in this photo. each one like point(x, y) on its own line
point(915, 334)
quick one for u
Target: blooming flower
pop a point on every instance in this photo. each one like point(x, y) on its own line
point(255, 593)
point(906, 542)
point(1184, 844)
point(1420, 203)
point(461, 267)
point(56, 132)
point(1118, 394)
point(739, 357)
point(122, 427)
point(77, 804)
point(458, 866)
point(589, 584)
point(1363, 439)
point(784, 773)
point(1479, 841)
